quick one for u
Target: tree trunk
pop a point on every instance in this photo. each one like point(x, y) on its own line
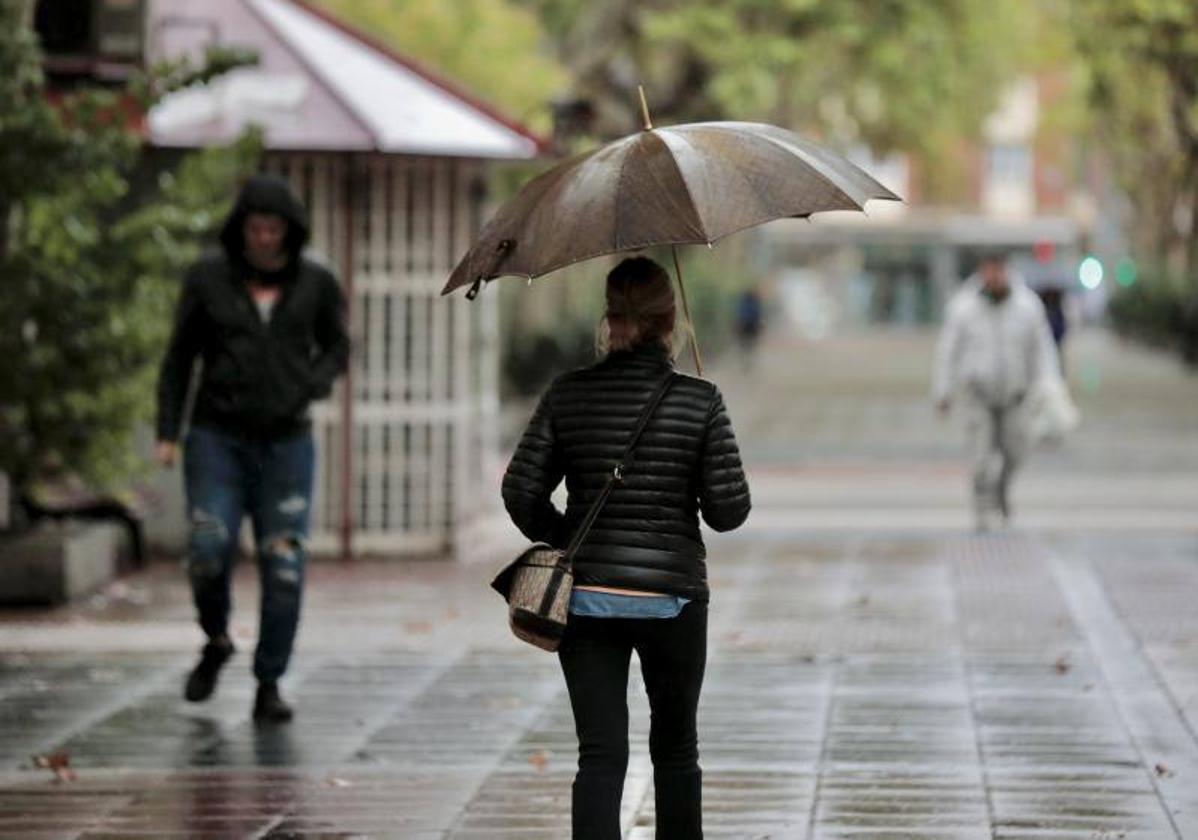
point(5, 223)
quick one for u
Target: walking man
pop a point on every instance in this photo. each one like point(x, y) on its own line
point(994, 350)
point(269, 327)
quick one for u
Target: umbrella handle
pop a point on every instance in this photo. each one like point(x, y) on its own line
point(690, 323)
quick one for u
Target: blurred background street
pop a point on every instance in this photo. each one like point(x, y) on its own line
point(879, 670)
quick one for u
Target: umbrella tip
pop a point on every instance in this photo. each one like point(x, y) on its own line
point(640, 89)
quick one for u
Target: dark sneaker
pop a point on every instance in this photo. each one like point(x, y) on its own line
point(269, 706)
point(201, 682)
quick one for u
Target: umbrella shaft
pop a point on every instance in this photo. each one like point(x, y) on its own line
point(686, 309)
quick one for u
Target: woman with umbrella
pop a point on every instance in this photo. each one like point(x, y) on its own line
point(640, 573)
point(640, 576)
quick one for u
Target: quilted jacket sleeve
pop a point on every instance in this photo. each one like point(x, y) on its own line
point(186, 342)
point(332, 338)
point(723, 490)
point(532, 475)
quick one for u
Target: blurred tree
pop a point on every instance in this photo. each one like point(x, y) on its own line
point(1141, 57)
point(493, 48)
point(915, 75)
point(90, 266)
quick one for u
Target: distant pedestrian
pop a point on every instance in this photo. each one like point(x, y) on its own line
point(640, 575)
point(994, 350)
point(1053, 299)
point(269, 326)
point(750, 321)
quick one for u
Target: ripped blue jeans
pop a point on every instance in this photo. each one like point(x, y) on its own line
point(228, 476)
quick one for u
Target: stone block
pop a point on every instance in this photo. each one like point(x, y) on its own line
point(57, 562)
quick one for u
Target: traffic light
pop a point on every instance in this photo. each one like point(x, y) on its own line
point(1090, 272)
point(1125, 272)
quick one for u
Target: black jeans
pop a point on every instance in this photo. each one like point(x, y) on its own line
point(595, 656)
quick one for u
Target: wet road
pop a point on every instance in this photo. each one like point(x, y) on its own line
point(859, 687)
point(901, 679)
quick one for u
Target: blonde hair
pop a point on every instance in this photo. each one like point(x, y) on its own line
point(640, 306)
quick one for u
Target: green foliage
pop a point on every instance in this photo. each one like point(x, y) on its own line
point(169, 76)
point(1159, 308)
point(90, 262)
point(910, 75)
point(1141, 62)
point(28, 126)
point(493, 48)
point(882, 73)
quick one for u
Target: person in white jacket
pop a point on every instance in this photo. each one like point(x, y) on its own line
point(995, 350)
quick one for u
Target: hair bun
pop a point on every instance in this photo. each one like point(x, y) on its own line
point(640, 303)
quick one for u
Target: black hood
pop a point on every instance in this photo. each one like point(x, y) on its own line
point(265, 194)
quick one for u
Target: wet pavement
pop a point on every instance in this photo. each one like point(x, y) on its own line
point(901, 679)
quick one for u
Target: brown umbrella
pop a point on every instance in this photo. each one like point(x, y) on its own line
point(683, 184)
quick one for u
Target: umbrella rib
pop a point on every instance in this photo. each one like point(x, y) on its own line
point(619, 219)
point(606, 252)
point(834, 178)
point(689, 195)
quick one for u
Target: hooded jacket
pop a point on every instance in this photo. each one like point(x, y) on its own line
point(686, 463)
point(259, 376)
point(996, 352)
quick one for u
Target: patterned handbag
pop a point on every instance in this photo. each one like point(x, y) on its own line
point(538, 583)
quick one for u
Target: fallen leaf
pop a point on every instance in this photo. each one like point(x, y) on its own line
point(863, 601)
point(539, 761)
point(1063, 665)
point(333, 781)
point(59, 763)
point(1163, 771)
point(452, 613)
point(420, 627)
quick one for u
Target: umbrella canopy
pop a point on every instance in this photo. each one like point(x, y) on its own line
point(676, 185)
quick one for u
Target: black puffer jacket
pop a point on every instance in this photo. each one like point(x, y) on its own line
point(687, 461)
point(258, 378)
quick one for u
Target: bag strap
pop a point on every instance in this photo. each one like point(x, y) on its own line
point(617, 474)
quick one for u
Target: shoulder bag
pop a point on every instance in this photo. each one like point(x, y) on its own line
point(538, 583)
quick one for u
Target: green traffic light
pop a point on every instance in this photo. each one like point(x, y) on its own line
point(1125, 272)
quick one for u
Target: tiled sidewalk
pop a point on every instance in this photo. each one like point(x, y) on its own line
point(864, 687)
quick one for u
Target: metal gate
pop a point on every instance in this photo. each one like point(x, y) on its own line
point(424, 371)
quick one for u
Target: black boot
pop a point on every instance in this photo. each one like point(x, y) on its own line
point(201, 682)
point(269, 707)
